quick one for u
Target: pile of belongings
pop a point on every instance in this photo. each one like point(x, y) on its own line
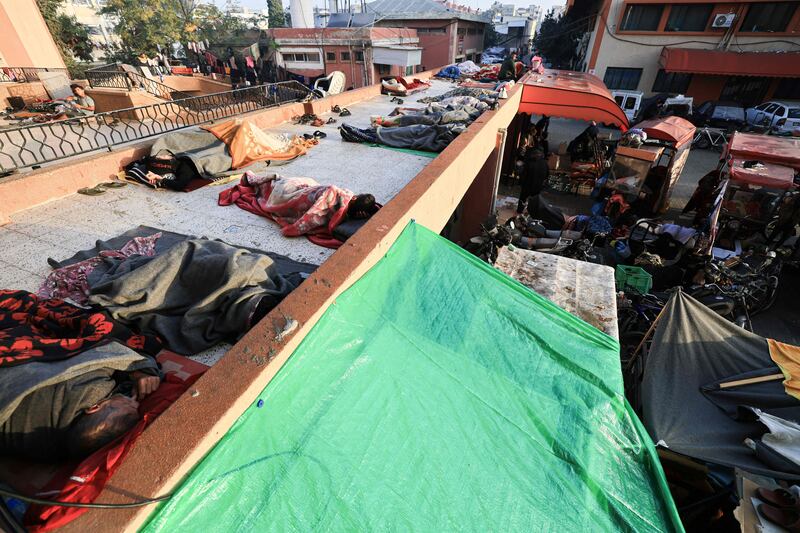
point(495, 54)
point(484, 95)
point(398, 86)
point(457, 109)
point(718, 393)
point(466, 69)
point(429, 129)
point(186, 160)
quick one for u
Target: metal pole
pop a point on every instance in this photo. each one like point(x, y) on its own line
point(502, 134)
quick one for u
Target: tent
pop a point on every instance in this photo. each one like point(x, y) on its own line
point(708, 385)
point(435, 394)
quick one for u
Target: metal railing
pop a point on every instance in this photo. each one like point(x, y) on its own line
point(130, 81)
point(26, 74)
point(36, 144)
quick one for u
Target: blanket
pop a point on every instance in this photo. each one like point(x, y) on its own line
point(19, 381)
point(34, 329)
point(193, 296)
point(484, 95)
point(248, 144)
point(430, 138)
point(301, 206)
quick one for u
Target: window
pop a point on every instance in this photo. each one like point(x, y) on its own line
point(622, 78)
point(642, 17)
point(409, 71)
point(462, 31)
point(771, 108)
point(746, 90)
point(671, 82)
point(780, 111)
point(345, 56)
point(359, 55)
point(688, 17)
point(788, 88)
point(300, 57)
point(384, 70)
point(330, 56)
point(768, 17)
point(762, 107)
point(430, 30)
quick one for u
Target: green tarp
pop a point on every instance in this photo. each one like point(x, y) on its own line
point(436, 394)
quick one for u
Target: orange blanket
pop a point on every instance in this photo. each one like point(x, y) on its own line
point(248, 143)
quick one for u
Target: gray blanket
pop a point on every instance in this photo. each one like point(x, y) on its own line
point(420, 137)
point(17, 382)
point(193, 296)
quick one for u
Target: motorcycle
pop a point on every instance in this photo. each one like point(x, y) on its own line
point(493, 237)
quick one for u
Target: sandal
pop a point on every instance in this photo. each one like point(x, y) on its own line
point(336, 109)
point(317, 122)
point(781, 498)
point(307, 136)
point(788, 519)
point(92, 191)
point(331, 120)
point(320, 134)
point(345, 113)
point(113, 184)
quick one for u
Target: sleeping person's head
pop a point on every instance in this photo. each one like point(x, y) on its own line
point(362, 206)
point(101, 424)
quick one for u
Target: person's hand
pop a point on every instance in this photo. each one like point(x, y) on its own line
point(145, 384)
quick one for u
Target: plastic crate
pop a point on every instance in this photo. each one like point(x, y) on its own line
point(633, 277)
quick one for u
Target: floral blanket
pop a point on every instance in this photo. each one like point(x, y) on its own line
point(301, 206)
point(35, 329)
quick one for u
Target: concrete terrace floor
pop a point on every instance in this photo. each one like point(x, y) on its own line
point(62, 227)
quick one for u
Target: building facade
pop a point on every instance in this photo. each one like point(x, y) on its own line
point(100, 27)
point(447, 33)
point(364, 55)
point(25, 40)
point(745, 51)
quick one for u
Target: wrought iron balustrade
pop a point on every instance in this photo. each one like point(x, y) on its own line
point(26, 74)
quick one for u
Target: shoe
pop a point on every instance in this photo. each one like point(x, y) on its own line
point(345, 113)
point(320, 134)
point(336, 109)
point(331, 120)
point(789, 519)
point(777, 498)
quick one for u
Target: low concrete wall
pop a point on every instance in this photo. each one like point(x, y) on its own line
point(181, 436)
point(196, 84)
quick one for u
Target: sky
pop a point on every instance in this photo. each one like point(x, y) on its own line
point(482, 4)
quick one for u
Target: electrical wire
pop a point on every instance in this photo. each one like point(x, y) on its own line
point(59, 503)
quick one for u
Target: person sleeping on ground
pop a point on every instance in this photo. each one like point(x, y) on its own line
point(76, 407)
point(301, 206)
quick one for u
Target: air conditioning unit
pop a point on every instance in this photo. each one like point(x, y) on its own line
point(723, 20)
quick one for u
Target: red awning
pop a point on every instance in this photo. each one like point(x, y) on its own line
point(672, 129)
point(766, 148)
point(568, 94)
point(764, 174)
point(721, 63)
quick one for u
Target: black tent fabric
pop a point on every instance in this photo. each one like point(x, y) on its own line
point(693, 351)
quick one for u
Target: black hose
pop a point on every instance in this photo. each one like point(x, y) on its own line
point(59, 503)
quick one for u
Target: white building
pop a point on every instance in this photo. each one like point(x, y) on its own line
point(100, 27)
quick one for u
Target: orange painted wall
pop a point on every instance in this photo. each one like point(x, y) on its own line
point(25, 40)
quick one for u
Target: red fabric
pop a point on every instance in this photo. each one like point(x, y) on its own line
point(86, 481)
point(730, 63)
point(766, 148)
point(309, 209)
point(671, 129)
point(414, 84)
point(767, 175)
point(568, 94)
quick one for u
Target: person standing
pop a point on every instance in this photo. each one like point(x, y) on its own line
point(533, 179)
point(508, 70)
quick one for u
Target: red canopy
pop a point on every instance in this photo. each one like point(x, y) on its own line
point(764, 174)
point(722, 63)
point(568, 94)
point(766, 148)
point(671, 129)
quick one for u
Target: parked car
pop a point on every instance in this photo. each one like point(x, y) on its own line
point(726, 115)
point(629, 101)
point(780, 116)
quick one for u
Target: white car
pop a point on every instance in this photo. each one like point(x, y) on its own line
point(628, 101)
point(782, 116)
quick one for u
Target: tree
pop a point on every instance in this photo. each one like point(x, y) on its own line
point(214, 25)
point(71, 37)
point(143, 25)
point(557, 39)
point(277, 18)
